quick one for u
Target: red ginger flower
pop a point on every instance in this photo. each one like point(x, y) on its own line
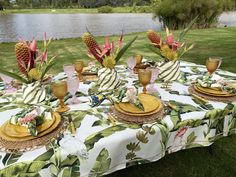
point(154, 38)
point(23, 57)
point(92, 45)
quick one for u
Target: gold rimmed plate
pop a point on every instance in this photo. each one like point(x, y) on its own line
point(116, 106)
point(149, 102)
point(212, 91)
point(12, 133)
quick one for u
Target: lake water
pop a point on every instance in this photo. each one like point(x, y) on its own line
point(27, 26)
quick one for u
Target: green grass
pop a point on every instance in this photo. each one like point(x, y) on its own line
point(208, 43)
point(68, 11)
point(198, 162)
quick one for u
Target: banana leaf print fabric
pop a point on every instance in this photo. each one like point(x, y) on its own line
point(100, 148)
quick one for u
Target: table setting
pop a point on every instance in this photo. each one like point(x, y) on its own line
point(94, 119)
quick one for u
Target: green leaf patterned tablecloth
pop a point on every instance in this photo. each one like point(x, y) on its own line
point(99, 148)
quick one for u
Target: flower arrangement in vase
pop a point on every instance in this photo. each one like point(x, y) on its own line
point(170, 51)
point(33, 66)
point(107, 55)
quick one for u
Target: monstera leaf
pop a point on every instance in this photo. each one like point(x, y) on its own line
point(101, 165)
point(92, 139)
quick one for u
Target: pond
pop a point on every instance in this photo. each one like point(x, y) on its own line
point(27, 26)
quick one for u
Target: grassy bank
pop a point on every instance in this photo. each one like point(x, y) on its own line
point(209, 42)
point(75, 10)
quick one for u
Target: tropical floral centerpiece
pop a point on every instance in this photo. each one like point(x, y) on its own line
point(33, 66)
point(107, 55)
point(170, 51)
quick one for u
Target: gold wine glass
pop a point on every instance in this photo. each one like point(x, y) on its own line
point(212, 64)
point(138, 59)
point(144, 76)
point(79, 65)
point(59, 89)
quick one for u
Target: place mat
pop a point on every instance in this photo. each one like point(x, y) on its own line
point(212, 91)
point(28, 145)
point(137, 119)
point(212, 98)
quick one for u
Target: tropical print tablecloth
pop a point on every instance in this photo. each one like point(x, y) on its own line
point(99, 148)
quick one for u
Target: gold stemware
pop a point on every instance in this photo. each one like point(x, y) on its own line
point(79, 65)
point(212, 64)
point(144, 76)
point(59, 89)
point(138, 59)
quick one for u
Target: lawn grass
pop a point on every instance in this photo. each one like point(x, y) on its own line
point(219, 42)
point(126, 9)
point(219, 160)
point(198, 162)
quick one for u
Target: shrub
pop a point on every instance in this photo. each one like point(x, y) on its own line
point(105, 9)
point(144, 9)
point(177, 14)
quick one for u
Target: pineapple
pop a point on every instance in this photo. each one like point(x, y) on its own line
point(92, 45)
point(34, 74)
point(154, 38)
point(23, 57)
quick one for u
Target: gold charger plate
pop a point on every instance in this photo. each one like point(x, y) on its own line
point(150, 104)
point(43, 130)
point(212, 91)
point(117, 107)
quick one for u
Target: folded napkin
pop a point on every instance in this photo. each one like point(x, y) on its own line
point(216, 81)
point(31, 118)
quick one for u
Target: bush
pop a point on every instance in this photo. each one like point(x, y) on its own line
point(144, 9)
point(105, 9)
point(177, 14)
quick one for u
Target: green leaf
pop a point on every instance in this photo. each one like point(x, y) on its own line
point(10, 158)
point(130, 156)
point(175, 117)
point(154, 49)
point(72, 170)
point(69, 161)
point(164, 134)
point(191, 138)
point(101, 165)
point(141, 136)
point(192, 123)
point(45, 156)
point(133, 147)
point(47, 69)
point(123, 50)
point(78, 116)
point(14, 76)
point(184, 108)
point(184, 32)
point(92, 139)
point(202, 104)
point(24, 169)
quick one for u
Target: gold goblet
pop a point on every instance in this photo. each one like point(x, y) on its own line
point(138, 59)
point(212, 64)
point(79, 65)
point(59, 89)
point(144, 76)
